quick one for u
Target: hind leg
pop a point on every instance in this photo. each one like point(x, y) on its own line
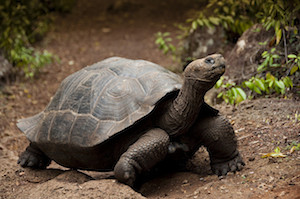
point(34, 158)
point(217, 135)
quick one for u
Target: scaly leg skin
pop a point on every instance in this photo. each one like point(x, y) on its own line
point(217, 135)
point(146, 152)
point(34, 158)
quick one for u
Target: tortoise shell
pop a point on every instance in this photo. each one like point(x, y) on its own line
point(99, 101)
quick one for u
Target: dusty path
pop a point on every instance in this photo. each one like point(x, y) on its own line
point(88, 35)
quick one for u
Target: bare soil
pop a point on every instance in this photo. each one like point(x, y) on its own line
point(89, 34)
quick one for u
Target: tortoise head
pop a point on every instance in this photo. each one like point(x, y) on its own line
point(208, 69)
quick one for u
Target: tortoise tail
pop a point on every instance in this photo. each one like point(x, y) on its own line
point(30, 125)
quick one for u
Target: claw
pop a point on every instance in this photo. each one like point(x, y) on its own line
point(23, 162)
point(30, 159)
point(224, 171)
point(240, 166)
point(233, 168)
point(233, 165)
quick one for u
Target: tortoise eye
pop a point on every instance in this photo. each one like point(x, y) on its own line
point(209, 60)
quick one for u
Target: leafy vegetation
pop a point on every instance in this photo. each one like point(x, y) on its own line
point(238, 16)
point(275, 73)
point(164, 42)
point(22, 24)
point(259, 85)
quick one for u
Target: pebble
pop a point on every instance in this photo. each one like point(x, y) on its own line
point(251, 159)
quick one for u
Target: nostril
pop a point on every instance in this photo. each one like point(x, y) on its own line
point(222, 66)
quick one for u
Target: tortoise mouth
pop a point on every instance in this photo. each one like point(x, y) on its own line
point(220, 68)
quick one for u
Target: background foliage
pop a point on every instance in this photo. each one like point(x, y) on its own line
point(278, 69)
point(22, 23)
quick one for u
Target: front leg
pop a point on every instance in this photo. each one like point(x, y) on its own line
point(217, 135)
point(141, 156)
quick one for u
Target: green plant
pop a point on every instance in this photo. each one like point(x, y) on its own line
point(231, 93)
point(269, 84)
point(294, 62)
point(164, 43)
point(270, 60)
point(22, 24)
point(29, 60)
point(238, 16)
point(20, 28)
point(279, 15)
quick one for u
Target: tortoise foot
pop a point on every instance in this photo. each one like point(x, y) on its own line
point(222, 167)
point(34, 158)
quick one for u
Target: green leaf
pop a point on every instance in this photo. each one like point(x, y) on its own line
point(256, 89)
point(292, 56)
point(226, 9)
point(264, 53)
point(287, 82)
point(260, 84)
point(206, 22)
point(220, 95)
point(271, 83)
point(241, 93)
point(294, 69)
point(214, 20)
point(277, 150)
point(263, 43)
point(273, 50)
point(260, 67)
point(234, 92)
point(279, 84)
point(219, 83)
point(194, 25)
point(277, 26)
point(200, 22)
point(278, 36)
point(249, 84)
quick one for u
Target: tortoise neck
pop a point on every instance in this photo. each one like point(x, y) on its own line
point(183, 111)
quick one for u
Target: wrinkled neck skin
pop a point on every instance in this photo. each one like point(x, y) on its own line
point(181, 113)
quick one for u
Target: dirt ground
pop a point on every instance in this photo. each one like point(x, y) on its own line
point(89, 34)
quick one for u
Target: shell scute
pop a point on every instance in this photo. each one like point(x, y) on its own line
point(100, 101)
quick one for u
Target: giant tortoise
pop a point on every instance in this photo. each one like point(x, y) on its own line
point(129, 116)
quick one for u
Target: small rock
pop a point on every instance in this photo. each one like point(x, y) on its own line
point(202, 179)
point(21, 173)
point(251, 159)
point(71, 62)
